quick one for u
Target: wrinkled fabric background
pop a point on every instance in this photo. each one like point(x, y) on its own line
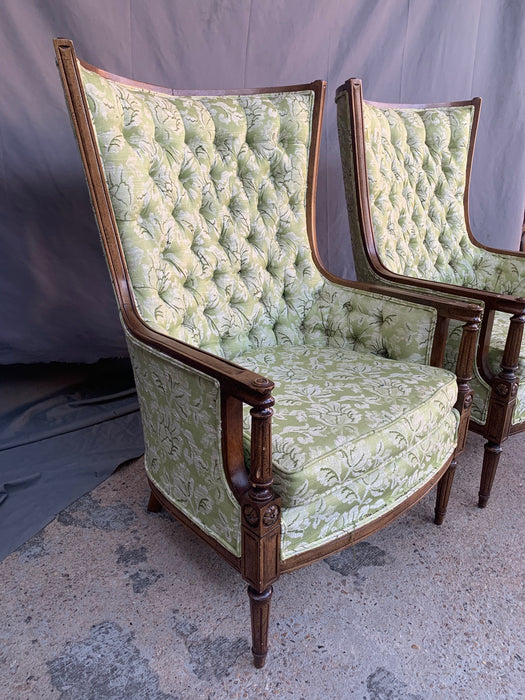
point(56, 298)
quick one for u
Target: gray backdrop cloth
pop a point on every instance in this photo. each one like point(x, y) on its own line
point(57, 301)
point(64, 428)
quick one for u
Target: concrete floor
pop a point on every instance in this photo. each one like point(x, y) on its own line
point(109, 601)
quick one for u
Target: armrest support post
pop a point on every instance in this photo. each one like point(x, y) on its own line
point(261, 507)
point(464, 366)
point(261, 477)
point(505, 385)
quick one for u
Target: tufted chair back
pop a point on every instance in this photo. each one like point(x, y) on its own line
point(210, 200)
point(417, 165)
point(413, 162)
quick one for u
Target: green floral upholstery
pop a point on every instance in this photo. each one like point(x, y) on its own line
point(371, 435)
point(209, 195)
point(416, 165)
point(365, 321)
point(181, 418)
point(416, 161)
point(209, 198)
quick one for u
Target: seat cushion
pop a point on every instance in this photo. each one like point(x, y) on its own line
point(353, 435)
point(342, 415)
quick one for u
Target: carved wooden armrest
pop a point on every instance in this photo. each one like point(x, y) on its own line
point(236, 381)
point(506, 303)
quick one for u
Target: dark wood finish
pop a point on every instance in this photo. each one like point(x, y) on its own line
point(502, 399)
point(467, 351)
point(490, 464)
point(260, 614)
point(443, 492)
point(154, 506)
point(233, 448)
point(261, 530)
point(260, 506)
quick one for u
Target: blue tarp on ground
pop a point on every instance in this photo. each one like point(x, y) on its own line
point(63, 430)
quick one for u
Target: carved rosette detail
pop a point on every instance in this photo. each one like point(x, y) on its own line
point(501, 389)
point(251, 515)
point(271, 515)
point(504, 390)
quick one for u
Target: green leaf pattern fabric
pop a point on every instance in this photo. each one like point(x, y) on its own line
point(416, 162)
point(416, 165)
point(181, 418)
point(366, 321)
point(360, 411)
point(209, 195)
point(369, 444)
point(340, 511)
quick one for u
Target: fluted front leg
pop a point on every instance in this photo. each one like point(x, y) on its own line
point(153, 504)
point(464, 364)
point(260, 615)
point(490, 465)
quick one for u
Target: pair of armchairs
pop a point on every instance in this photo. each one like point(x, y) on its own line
point(287, 413)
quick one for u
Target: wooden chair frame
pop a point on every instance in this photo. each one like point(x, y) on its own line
point(259, 564)
point(504, 386)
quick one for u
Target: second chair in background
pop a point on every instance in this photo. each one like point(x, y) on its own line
point(407, 173)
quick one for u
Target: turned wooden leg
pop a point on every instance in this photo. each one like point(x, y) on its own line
point(490, 465)
point(443, 492)
point(260, 614)
point(153, 505)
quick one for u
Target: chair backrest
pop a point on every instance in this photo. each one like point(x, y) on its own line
point(212, 196)
point(411, 166)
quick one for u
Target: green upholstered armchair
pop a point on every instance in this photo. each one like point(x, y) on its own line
point(205, 205)
point(407, 172)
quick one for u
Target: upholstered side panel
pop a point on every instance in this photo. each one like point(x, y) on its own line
point(209, 195)
point(180, 409)
point(369, 322)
